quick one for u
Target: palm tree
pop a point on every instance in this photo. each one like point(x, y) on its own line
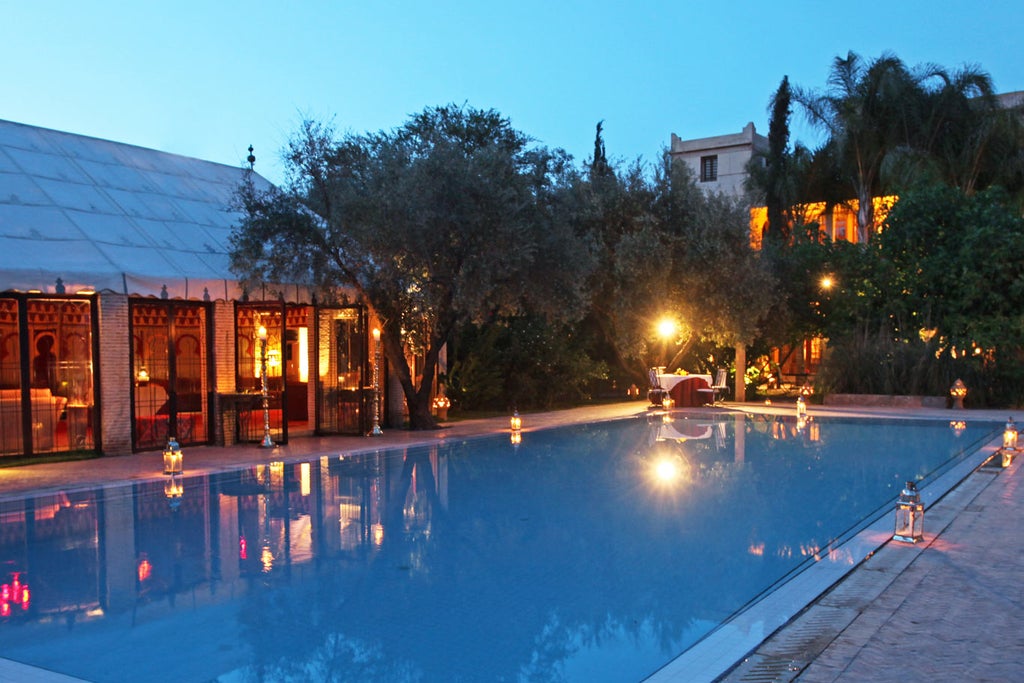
point(868, 110)
point(973, 141)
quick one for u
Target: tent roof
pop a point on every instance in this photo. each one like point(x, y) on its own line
point(104, 215)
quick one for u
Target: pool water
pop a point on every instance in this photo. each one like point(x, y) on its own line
point(586, 553)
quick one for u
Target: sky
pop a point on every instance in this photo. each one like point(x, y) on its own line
point(206, 78)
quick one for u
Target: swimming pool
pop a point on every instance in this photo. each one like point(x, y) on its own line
point(585, 553)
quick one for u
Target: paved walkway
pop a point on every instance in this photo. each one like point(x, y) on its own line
point(948, 609)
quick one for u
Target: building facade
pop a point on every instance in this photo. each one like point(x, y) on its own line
point(719, 163)
point(121, 325)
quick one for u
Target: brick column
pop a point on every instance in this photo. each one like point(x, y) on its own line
point(115, 374)
point(224, 372)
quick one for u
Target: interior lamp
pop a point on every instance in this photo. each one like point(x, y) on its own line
point(909, 515)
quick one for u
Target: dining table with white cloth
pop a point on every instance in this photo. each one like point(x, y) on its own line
point(683, 388)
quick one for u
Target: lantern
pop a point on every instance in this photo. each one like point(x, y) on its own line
point(173, 458)
point(959, 392)
point(516, 423)
point(909, 515)
point(1010, 435)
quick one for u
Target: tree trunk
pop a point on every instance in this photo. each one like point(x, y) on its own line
point(865, 218)
point(741, 373)
point(417, 399)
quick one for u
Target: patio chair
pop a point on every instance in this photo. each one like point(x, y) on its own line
point(655, 394)
point(718, 387)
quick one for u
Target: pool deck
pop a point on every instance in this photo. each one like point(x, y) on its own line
point(948, 609)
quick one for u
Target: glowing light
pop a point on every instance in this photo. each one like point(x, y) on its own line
point(173, 457)
point(827, 282)
point(667, 328)
point(303, 355)
point(667, 470)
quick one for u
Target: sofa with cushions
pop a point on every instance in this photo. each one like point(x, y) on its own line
point(47, 411)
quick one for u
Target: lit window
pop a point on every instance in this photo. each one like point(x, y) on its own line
point(709, 168)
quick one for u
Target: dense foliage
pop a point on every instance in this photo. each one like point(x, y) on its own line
point(545, 281)
point(450, 220)
point(918, 300)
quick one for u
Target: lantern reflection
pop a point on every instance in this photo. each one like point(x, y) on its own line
point(15, 594)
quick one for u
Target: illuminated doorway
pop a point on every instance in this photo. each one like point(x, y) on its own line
point(343, 388)
point(170, 369)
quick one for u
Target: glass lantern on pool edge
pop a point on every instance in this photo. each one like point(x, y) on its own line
point(173, 458)
point(909, 515)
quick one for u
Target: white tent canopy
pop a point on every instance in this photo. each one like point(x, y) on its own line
point(103, 215)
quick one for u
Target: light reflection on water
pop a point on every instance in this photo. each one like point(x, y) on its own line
point(586, 553)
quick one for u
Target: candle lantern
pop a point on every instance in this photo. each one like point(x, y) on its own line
point(1010, 435)
point(173, 457)
point(516, 423)
point(909, 515)
point(959, 392)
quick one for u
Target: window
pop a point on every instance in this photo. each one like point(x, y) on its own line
point(709, 169)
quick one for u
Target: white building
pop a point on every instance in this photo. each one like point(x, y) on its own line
point(719, 163)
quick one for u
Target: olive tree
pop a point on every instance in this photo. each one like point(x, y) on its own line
point(448, 219)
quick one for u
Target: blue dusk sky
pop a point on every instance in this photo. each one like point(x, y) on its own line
point(207, 79)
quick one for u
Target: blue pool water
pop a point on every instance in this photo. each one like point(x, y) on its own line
point(586, 553)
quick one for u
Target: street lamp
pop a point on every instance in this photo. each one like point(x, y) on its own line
point(267, 441)
point(376, 431)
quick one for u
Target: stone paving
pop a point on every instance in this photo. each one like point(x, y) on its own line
point(948, 609)
point(956, 613)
